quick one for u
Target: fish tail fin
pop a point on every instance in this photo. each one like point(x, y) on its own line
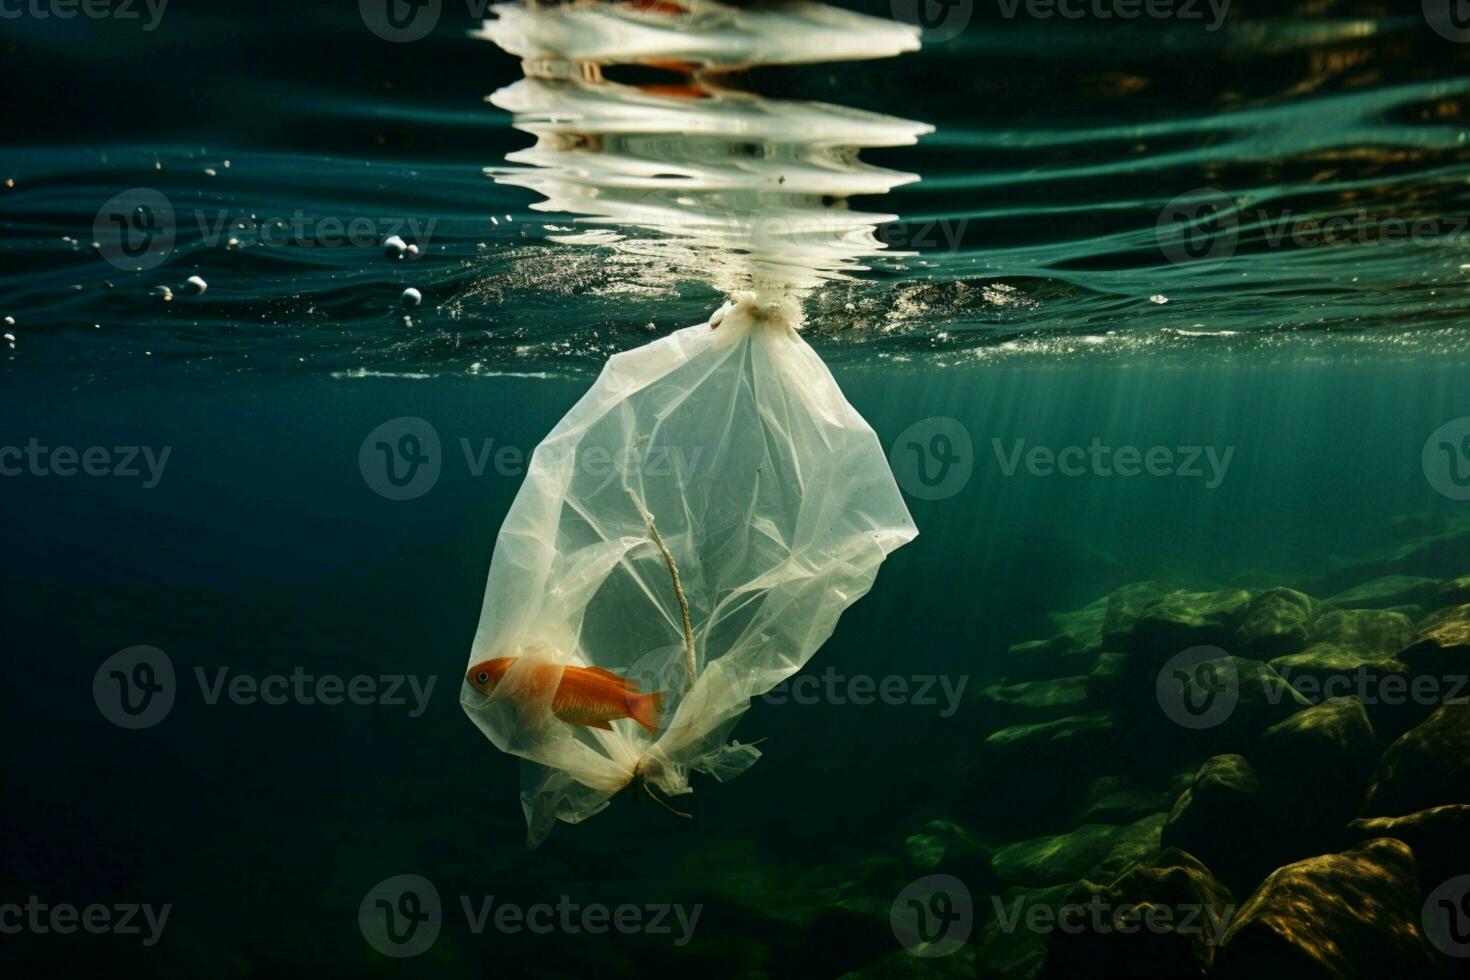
point(645, 708)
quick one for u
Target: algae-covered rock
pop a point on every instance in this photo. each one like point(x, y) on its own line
point(1435, 554)
point(1427, 766)
point(1083, 625)
point(1043, 659)
point(1442, 643)
point(1067, 751)
point(1454, 592)
point(1375, 631)
point(1057, 858)
point(1386, 592)
point(1318, 763)
point(1180, 620)
point(1221, 704)
point(1354, 651)
point(1078, 736)
point(1439, 837)
point(1118, 800)
point(943, 847)
point(1140, 842)
point(1108, 679)
point(1123, 607)
point(1003, 705)
point(1223, 820)
point(1276, 623)
point(1090, 851)
point(1013, 944)
point(1161, 919)
point(1349, 916)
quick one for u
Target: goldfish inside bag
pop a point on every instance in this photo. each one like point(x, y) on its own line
point(685, 539)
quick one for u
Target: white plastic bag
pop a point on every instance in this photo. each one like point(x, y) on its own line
point(730, 445)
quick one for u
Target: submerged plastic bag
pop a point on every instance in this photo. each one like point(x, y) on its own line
point(725, 459)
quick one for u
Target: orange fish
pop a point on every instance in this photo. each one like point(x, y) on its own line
point(587, 696)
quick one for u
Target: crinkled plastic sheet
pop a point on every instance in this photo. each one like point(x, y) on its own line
point(775, 501)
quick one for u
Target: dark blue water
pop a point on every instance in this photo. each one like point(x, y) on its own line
point(1055, 315)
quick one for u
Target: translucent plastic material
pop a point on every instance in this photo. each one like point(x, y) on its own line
point(727, 451)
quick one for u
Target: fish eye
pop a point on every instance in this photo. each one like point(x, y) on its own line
point(483, 677)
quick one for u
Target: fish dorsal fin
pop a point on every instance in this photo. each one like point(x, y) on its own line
point(625, 683)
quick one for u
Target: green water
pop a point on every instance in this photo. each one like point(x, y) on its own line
point(1298, 390)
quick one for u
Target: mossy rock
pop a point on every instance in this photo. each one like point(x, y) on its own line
point(1442, 643)
point(1068, 751)
point(1249, 697)
point(1439, 837)
point(1124, 606)
point(1317, 764)
point(1180, 620)
point(1378, 631)
point(1163, 918)
point(1090, 851)
point(1108, 681)
point(1223, 819)
point(1037, 660)
point(1427, 766)
point(1118, 800)
point(1277, 622)
point(1387, 592)
point(1013, 944)
point(943, 847)
point(1032, 702)
point(1455, 592)
point(1332, 917)
point(1084, 625)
